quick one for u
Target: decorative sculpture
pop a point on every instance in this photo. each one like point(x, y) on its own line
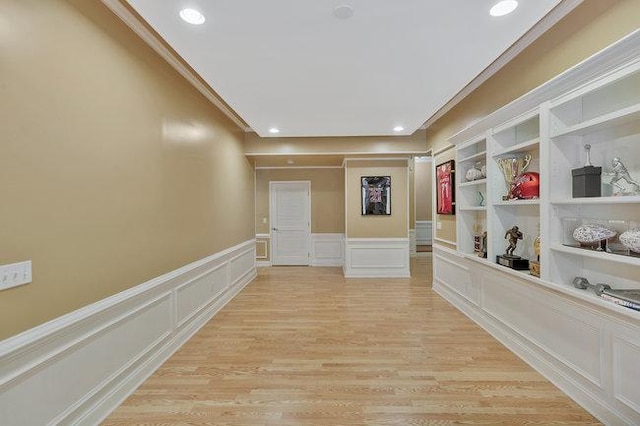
point(509, 259)
point(511, 168)
point(620, 172)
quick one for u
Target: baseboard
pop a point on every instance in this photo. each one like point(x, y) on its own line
point(93, 358)
point(376, 258)
point(263, 263)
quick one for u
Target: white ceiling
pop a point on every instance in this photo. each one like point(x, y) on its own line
point(292, 64)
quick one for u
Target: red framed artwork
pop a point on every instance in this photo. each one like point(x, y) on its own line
point(445, 188)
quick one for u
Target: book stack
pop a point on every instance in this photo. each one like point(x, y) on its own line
point(629, 298)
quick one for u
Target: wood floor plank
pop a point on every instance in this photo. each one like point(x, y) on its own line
point(305, 346)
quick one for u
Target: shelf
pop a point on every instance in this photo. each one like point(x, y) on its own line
point(519, 148)
point(473, 208)
point(534, 202)
point(614, 119)
point(599, 200)
point(473, 157)
point(609, 257)
point(472, 183)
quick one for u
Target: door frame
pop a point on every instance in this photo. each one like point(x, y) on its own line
point(273, 183)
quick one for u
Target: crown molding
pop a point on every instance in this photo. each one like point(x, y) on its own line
point(154, 41)
point(548, 21)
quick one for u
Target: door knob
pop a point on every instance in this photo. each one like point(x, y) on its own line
point(274, 229)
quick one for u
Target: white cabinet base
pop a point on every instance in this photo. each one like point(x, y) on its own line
point(587, 349)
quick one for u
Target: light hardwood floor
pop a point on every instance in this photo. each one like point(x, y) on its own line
point(304, 346)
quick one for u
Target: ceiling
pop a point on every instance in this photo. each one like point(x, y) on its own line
point(294, 65)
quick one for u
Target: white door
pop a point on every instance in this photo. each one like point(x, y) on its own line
point(290, 222)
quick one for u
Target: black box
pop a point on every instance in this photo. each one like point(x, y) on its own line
point(517, 263)
point(586, 181)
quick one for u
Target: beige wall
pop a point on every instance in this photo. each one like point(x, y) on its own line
point(327, 197)
point(591, 27)
point(423, 182)
point(113, 170)
point(395, 225)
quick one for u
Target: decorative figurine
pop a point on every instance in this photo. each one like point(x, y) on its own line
point(480, 199)
point(509, 259)
point(620, 172)
point(586, 180)
point(514, 235)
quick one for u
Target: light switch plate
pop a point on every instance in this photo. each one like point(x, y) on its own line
point(15, 274)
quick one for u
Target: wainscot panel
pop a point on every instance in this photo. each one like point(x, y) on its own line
point(77, 368)
point(376, 257)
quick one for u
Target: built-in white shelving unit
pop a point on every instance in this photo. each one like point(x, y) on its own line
point(585, 344)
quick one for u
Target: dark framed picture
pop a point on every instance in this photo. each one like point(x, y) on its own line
point(445, 188)
point(376, 195)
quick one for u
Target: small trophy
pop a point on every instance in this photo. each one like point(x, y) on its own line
point(534, 265)
point(511, 168)
point(509, 259)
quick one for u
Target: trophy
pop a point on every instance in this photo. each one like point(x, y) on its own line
point(511, 168)
point(509, 259)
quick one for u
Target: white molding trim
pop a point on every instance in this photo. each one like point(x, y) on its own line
point(327, 249)
point(552, 18)
point(149, 37)
point(424, 232)
point(442, 240)
point(376, 257)
point(412, 243)
point(263, 236)
point(289, 154)
point(297, 167)
point(263, 263)
point(95, 357)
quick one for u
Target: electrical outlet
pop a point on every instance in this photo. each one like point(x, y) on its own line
point(15, 274)
point(438, 225)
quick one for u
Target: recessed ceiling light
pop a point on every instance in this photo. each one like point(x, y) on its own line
point(192, 16)
point(343, 12)
point(503, 8)
point(274, 130)
point(290, 161)
point(398, 129)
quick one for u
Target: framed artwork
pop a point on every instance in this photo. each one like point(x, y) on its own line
point(376, 195)
point(445, 188)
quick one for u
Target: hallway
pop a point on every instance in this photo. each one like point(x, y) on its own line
point(304, 346)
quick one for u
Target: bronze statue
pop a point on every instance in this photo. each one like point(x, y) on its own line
point(514, 235)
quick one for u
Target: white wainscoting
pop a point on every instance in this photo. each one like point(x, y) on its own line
point(424, 232)
point(376, 257)
point(77, 368)
point(327, 249)
point(587, 347)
